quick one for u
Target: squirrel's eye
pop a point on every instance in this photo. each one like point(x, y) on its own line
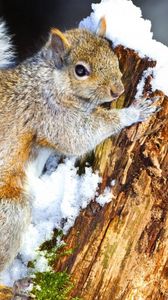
point(81, 71)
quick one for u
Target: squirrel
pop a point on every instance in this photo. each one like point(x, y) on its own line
point(53, 101)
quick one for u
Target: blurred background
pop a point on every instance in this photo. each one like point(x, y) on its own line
point(30, 20)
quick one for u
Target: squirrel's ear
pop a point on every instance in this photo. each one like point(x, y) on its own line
point(59, 42)
point(101, 29)
point(58, 45)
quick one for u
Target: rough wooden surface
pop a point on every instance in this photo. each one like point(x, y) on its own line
point(121, 250)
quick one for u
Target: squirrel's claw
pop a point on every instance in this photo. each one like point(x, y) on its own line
point(145, 108)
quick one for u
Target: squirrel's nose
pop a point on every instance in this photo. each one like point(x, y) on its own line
point(115, 92)
point(114, 95)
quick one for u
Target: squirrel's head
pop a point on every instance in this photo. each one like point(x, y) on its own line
point(89, 66)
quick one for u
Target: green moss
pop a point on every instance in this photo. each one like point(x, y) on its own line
point(53, 251)
point(50, 244)
point(31, 265)
point(52, 286)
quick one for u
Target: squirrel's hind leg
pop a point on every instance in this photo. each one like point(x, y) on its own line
point(14, 217)
point(22, 288)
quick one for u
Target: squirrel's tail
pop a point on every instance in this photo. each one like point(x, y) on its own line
point(6, 52)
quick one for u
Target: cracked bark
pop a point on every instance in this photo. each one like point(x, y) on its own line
point(121, 250)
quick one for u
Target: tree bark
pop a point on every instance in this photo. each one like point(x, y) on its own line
point(121, 250)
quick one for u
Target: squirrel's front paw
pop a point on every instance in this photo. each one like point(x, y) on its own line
point(138, 111)
point(145, 108)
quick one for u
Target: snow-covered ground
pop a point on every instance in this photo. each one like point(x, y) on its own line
point(62, 194)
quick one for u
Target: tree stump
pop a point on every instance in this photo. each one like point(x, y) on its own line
point(121, 250)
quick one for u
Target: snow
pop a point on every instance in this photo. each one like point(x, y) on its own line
point(141, 84)
point(105, 197)
point(126, 26)
point(58, 197)
point(113, 182)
